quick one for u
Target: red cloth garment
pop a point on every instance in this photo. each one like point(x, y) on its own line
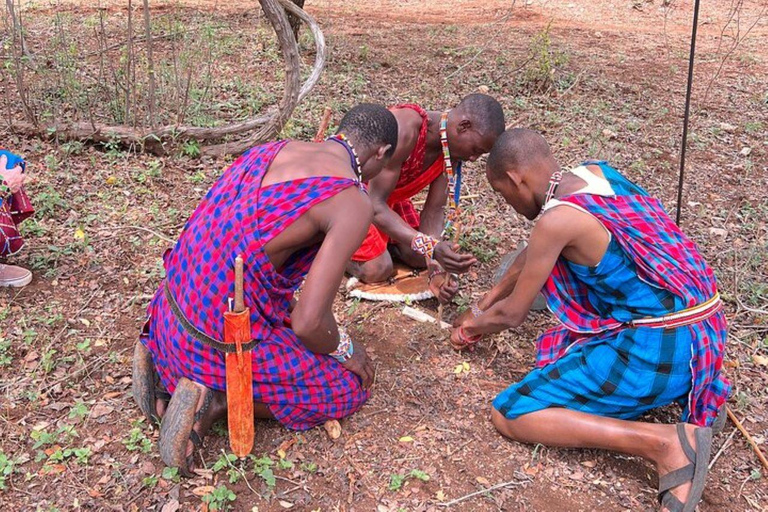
point(239, 217)
point(413, 179)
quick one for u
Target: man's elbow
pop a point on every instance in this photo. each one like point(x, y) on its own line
point(304, 326)
point(509, 319)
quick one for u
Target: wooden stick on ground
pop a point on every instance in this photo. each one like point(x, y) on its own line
point(751, 441)
point(324, 122)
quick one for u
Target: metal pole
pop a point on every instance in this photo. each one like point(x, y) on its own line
point(687, 111)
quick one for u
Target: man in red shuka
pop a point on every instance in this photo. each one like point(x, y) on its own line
point(469, 131)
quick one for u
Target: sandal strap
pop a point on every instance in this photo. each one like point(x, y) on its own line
point(206, 403)
point(671, 503)
point(687, 448)
point(676, 478)
point(195, 438)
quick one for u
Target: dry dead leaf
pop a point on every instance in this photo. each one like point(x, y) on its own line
point(100, 410)
point(482, 481)
point(589, 463)
point(406, 439)
point(285, 504)
point(171, 506)
point(203, 490)
point(761, 360)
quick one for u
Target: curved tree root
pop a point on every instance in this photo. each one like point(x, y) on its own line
point(266, 126)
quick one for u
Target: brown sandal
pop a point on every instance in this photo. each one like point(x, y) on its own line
point(176, 427)
point(146, 384)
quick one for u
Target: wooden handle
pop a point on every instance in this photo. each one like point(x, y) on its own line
point(239, 301)
point(748, 437)
point(326, 120)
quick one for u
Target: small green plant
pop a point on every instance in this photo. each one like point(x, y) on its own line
point(43, 438)
point(78, 411)
point(225, 460)
point(171, 474)
point(263, 468)
point(150, 482)
point(47, 362)
point(191, 148)
point(136, 440)
point(309, 467)
point(5, 357)
point(396, 482)
point(7, 466)
point(219, 498)
point(544, 62)
point(284, 464)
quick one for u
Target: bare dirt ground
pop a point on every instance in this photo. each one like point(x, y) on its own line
point(606, 80)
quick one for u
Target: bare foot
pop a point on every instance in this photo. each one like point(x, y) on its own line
point(211, 407)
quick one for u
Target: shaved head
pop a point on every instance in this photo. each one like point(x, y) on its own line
point(484, 112)
point(519, 149)
point(519, 168)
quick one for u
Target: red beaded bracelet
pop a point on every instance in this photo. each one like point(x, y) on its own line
point(468, 340)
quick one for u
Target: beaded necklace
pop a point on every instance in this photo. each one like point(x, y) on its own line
point(454, 178)
point(354, 161)
point(554, 182)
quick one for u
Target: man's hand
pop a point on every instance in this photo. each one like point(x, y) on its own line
point(360, 365)
point(447, 254)
point(458, 344)
point(444, 287)
point(466, 315)
point(14, 178)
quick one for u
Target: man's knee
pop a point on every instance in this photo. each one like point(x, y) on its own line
point(506, 427)
point(374, 271)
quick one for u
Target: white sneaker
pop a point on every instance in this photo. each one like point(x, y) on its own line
point(13, 276)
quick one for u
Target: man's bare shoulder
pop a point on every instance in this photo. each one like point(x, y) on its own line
point(564, 221)
point(408, 128)
point(350, 207)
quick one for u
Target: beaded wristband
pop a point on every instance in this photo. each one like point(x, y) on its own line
point(424, 245)
point(345, 348)
point(476, 311)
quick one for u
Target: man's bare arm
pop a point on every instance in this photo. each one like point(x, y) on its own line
point(433, 214)
point(345, 219)
point(507, 284)
point(549, 237)
point(379, 189)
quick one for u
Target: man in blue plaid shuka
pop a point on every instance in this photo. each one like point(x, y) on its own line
point(640, 320)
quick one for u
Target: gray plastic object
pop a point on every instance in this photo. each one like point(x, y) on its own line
point(540, 304)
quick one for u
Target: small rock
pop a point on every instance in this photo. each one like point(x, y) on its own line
point(745, 151)
point(333, 429)
point(609, 134)
point(718, 231)
point(483, 89)
point(728, 128)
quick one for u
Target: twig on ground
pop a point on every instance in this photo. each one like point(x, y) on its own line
point(457, 450)
point(482, 491)
point(751, 441)
point(722, 448)
point(153, 232)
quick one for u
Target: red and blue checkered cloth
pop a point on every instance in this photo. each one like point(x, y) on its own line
point(238, 216)
point(665, 258)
